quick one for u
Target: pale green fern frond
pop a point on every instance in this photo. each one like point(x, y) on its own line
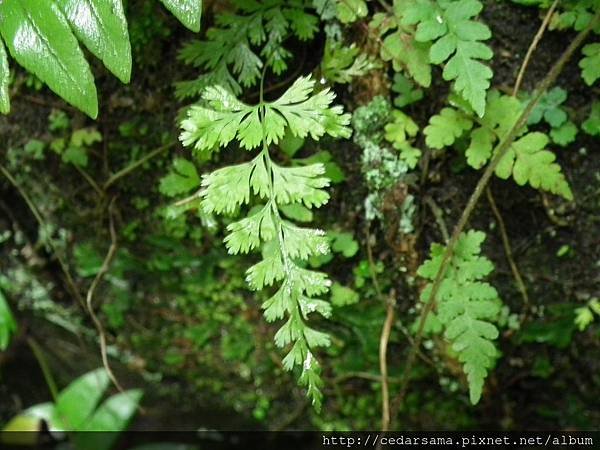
point(221, 119)
point(466, 307)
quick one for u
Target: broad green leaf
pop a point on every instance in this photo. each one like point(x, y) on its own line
point(407, 92)
point(480, 149)
point(77, 402)
point(445, 127)
point(549, 108)
point(21, 430)
point(39, 38)
point(181, 179)
point(4, 80)
point(565, 134)
point(188, 12)
point(341, 63)
point(8, 325)
point(351, 10)
point(343, 296)
point(102, 27)
point(592, 123)
point(406, 53)
point(111, 418)
point(344, 243)
point(590, 64)
point(297, 212)
point(528, 162)
point(583, 317)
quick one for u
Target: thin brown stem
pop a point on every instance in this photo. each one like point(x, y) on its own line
point(439, 217)
point(499, 152)
point(130, 168)
point(42, 223)
point(383, 345)
point(536, 40)
point(90, 294)
point(508, 251)
point(90, 181)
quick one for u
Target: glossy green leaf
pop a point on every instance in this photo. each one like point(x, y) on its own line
point(188, 12)
point(111, 418)
point(592, 123)
point(4, 80)
point(77, 402)
point(39, 38)
point(7, 323)
point(101, 26)
point(22, 430)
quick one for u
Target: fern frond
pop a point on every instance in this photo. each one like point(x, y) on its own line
point(527, 159)
point(244, 41)
point(221, 119)
point(457, 42)
point(467, 306)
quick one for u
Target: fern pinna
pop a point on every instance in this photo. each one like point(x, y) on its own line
point(220, 119)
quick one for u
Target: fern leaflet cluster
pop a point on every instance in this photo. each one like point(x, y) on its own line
point(285, 247)
point(527, 160)
point(456, 42)
point(228, 55)
point(466, 307)
point(440, 32)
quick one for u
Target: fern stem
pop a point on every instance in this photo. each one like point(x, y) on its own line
point(536, 40)
point(499, 152)
point(383, 367)
point(130, 168)
point(509, 253)
point(89, 298)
